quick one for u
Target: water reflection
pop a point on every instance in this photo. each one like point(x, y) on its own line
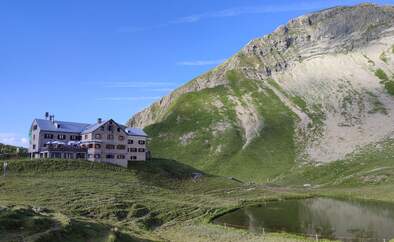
point(329, 218)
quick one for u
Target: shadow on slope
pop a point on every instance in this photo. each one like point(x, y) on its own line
point(41, 225)
point(164, 172)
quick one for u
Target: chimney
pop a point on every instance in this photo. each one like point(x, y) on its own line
point(46, 115)
point(99, 120)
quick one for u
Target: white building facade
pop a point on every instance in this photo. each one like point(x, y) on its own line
point(103, 141)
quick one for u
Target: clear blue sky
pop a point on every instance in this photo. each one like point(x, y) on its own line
point(83, 59)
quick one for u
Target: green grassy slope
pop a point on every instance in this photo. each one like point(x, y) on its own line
point(137, 203)
point(156, 200)
point(222, 153)
point(387, 81)
point(367, 173)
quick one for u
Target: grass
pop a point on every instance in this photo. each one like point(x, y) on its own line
point(273, 151)
point(382, 75)
point(22, 222)
point(386, 81)
point(314, 112)
point(159, 201)
point(297, 100)
point(222, 152)
point(250, 61)
point(194, 114)
point(29, 224)
point(371, 166)
point(105, 201)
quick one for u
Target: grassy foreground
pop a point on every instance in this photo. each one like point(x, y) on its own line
point(151, 201)
point(58, 200)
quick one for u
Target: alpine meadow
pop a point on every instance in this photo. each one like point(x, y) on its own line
point(290, 139)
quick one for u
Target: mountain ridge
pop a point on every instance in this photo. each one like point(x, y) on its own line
point(203, 81)
point(328, 74)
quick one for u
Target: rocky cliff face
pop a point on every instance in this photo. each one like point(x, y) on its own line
point(327, 78)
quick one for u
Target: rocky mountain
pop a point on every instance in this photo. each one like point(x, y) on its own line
point(315, 90)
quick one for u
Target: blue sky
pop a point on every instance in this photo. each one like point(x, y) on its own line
point(84, 59)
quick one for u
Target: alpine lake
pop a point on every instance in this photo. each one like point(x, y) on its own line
point(320, 218)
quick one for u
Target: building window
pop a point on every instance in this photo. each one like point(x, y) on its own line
point(133, 157)
point(141, 150)
point(120, 137)
point(120, 147)
point(132, 149)
point(110, 147)
point(90, 146)
point(79, 137)
point(141, 142)
point(48, 136)
point(118, 129)
point(130, 141)
point(109, 127)
point(97, 146)
point(35, 127)
point(34, 137)
point(97, 156)
point(120, 156)
point(61, 136)
point(102, 128)
point(110, 137)
point(109, 156)
point(74, 137)
point(86, 136)
point(97, 136)
point(34, 146)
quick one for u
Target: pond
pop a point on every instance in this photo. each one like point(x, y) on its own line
point(346, 220)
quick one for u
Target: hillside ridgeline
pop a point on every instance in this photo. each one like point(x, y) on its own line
point(315, 90)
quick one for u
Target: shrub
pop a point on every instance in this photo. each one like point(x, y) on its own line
point(381, 75)
point(389, 86)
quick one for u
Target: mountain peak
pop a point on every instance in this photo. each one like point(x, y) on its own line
point(334, 30)
point(317, 88)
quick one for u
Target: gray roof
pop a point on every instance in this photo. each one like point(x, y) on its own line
point(136, 132)
point(71, 127)
point(67, 127)
point(92, 127)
